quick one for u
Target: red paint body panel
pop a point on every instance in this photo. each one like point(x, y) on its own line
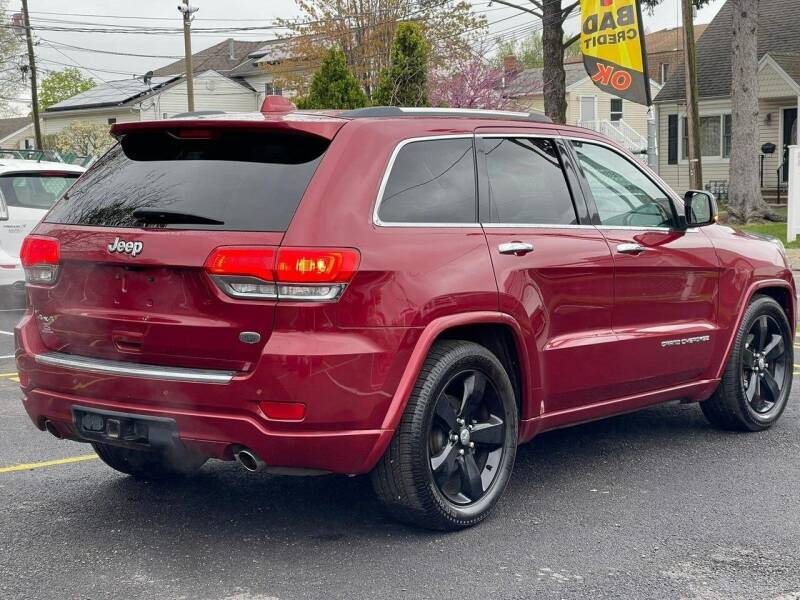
point(587, 323)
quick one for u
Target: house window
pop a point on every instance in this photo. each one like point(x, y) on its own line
point(273, 90)
point(616, 109)
point(664, 69)
point(715, 137)
point(111, 121)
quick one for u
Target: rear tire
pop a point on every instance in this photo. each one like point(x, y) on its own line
point(452, 454)
point(757, 380)
point(150, 464)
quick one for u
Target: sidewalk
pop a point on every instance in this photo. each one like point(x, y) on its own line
point(793, 254)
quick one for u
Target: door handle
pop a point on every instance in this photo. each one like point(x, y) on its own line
point(515, 248)
point(634, 249)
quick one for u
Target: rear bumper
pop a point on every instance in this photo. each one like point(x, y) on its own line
point(347, 384)
point(215, 434)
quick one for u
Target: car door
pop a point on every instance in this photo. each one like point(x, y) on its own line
point(666, 281)
point(554, 270)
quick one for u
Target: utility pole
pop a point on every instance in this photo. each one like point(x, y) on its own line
point(187, 10)
point(692, 111)
point(37, 130)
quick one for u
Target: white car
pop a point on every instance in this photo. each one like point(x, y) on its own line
point(27, 191)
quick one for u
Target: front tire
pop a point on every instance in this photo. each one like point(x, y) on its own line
point(452, 454)
point(150, 464)
point(757, 380)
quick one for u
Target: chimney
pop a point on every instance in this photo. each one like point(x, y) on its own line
point(510, 65)
point(231, 50)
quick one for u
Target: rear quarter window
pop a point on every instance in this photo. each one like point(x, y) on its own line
point(36, 189)
point(431, 181)
point(243, 181)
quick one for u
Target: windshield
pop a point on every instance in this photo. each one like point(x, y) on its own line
point(228, 180)
point(35, 190)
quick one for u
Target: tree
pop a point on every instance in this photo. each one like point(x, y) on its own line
point(11, 74)
point(404, 81)
point(553, 14)
point(744, 189)
point(85, 139)
point(334, 85)
point(365, 31)
point(61, 85)
point(468, 83)
point(530, 51)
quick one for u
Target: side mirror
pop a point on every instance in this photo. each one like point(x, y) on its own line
point(3, 209)
point(700, 208)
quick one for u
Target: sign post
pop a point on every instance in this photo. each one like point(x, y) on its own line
point(793, 201)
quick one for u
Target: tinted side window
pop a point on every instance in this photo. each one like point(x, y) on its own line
point(431, 181)
point(527, 183)
point(624, 195)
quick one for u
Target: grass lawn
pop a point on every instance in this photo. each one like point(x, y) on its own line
point(777, 230)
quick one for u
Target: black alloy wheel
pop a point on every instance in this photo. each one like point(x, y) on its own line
point(764, 365)
point(467, 437)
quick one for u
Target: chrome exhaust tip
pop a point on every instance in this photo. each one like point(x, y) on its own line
point(52, 429)
point(249, 460)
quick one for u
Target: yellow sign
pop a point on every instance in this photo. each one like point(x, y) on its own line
point(612, 43)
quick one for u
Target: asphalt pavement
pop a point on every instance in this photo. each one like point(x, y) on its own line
point(655, 504)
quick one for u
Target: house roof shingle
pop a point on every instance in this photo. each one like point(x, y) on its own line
point(271, 52)
point(9, 126)
point(778, 32)
point(789, 62)
point(530, 81)
point(222, 57)
point(664, 40)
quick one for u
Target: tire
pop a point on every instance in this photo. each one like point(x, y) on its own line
point(430, 476)
point(150, 464)
point(753, 393)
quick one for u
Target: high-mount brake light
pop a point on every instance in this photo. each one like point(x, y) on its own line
point(299, 274)
point(40, 257)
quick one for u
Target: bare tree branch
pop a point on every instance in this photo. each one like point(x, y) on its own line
point(572, 40)
point(518, 7)
point(565, 12)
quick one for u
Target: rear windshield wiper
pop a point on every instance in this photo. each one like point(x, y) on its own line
point(166, 217)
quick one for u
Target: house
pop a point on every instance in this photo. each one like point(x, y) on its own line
point(158, 98)
point(246, 62)
point(778, 94)
point(587, 105)
point(16, 133)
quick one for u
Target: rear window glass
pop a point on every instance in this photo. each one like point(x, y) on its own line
point(35, 190)
point(432, 181)
point(235, 181)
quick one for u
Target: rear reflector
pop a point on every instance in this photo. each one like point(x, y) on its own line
point(284, 411)
point(301, 274)
point(40, 256)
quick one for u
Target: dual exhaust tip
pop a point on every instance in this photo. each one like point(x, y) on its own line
point(249, 460)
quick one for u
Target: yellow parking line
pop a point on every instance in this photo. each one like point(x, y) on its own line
point(8, 374)
point(47, 463)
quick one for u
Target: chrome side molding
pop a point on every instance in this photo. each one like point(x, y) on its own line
point(128, 369)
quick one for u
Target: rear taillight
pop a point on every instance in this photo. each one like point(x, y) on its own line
point(302, 274)
point(40, 257)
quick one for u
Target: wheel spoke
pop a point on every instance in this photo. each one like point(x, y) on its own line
point(474, 386)
point(770, 387)
point(775, 348)
point(446, 412)
point(752, 387)
point(471, 483)
point(443, 464)
point(747, 358)
point(760, 333)
point(490, 433)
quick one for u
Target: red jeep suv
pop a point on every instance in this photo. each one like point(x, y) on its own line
point(403, 292)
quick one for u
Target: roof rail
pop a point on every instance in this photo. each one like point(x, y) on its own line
point(474, 113)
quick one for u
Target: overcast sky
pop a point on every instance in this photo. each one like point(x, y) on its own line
point(213, 14)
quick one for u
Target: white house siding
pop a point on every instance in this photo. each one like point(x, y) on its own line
point(212, 91)
point(17, 139)
point(635, 115)
point(53, 123)
point(677, 176)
